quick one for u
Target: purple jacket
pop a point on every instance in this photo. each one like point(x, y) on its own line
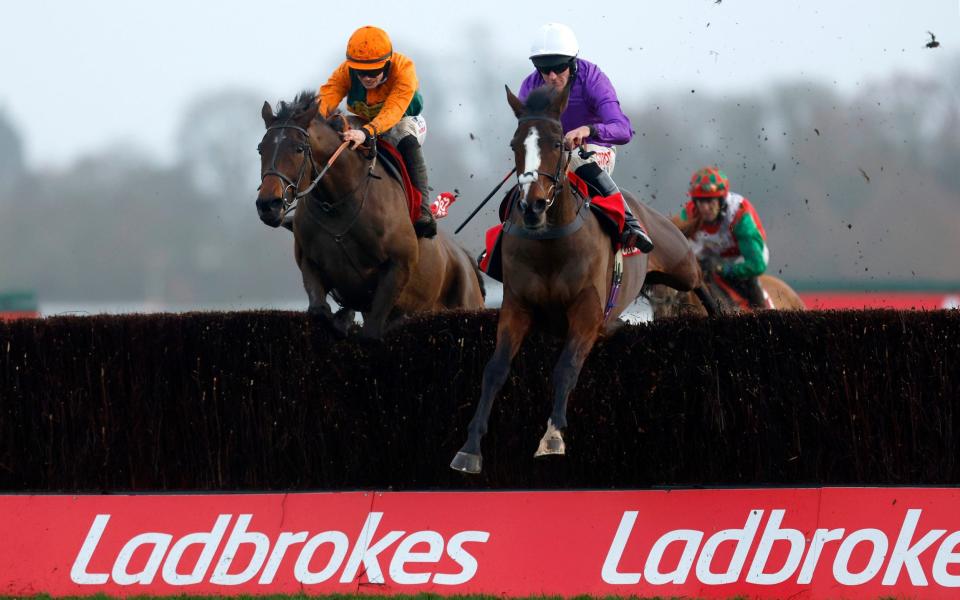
point(593, 101)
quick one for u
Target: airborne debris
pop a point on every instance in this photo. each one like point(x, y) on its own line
point(933, 43)
point(774, 167)
point(864, 173)
point(817, 131)
point(472, 137)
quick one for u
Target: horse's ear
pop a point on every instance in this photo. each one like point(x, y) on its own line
point(514, 102)
point(267, 113)
point(559, 103)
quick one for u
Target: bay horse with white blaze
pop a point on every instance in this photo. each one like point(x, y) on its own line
point(558, 269)
point(352, 230)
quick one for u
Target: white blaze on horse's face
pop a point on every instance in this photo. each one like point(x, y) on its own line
point(531, 160)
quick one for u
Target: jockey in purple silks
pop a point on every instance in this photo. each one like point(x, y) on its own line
point(593, 116)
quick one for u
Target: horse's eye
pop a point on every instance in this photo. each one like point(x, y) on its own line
point(557, 144)
point(301, 148)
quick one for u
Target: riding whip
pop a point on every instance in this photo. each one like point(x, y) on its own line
point(484, 201)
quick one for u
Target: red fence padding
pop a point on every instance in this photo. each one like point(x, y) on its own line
point(764, 543)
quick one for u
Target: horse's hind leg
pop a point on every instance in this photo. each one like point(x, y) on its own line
point(584, 320)
point(511, 329)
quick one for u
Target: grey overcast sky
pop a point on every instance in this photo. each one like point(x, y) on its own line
point(79, 75)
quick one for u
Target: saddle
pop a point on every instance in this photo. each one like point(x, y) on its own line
point(394, 164)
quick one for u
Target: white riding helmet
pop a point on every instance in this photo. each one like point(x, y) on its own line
point(554, 39)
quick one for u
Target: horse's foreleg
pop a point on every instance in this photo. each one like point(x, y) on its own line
point(511, 329)
point(584, 325)
point(317, 297)
point(393, 277)
point(707, 299)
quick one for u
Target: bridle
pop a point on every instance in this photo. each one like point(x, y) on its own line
point(293, 186)
point(532, 176)
point(291, 189)
point(552, 233)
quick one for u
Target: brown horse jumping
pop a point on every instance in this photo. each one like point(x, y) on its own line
point(669, 303)
point(558, 269)
point(352, 232)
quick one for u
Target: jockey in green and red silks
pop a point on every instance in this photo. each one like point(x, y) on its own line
point(593, 116)
point(726, 233)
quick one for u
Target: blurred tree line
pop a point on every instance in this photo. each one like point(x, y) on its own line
point(859, 188)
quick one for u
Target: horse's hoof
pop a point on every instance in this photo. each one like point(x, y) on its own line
point(467, 463)
point(551, 442)
point(340, 331)
point(371, 334)
point(551, 447)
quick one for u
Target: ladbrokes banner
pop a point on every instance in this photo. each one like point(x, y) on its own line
point(801, 543)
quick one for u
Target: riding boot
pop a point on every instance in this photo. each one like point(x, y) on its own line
point(633, 235)
point(409, 147)
point(753, 292)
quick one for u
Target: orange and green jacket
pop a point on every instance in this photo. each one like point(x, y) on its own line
point(384, 105)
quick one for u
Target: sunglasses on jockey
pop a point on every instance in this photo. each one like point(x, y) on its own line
point(371, 73)
point(544, 70)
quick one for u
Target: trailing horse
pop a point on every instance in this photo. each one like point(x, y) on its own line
point(353, 236)
point(560, 269)
point(669, 303)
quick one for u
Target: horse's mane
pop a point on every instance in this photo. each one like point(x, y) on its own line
point(300, 104)
point(540, 99)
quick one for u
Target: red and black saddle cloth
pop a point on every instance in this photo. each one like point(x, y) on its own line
point(607, 209)
point(397, 167)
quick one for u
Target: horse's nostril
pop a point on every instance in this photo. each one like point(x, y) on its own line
point(266, 204)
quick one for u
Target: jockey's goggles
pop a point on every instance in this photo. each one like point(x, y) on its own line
point(371, 73)
point(554, 68)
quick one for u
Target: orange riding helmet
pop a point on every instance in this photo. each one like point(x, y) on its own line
point(368, 49)
point(709, 182)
